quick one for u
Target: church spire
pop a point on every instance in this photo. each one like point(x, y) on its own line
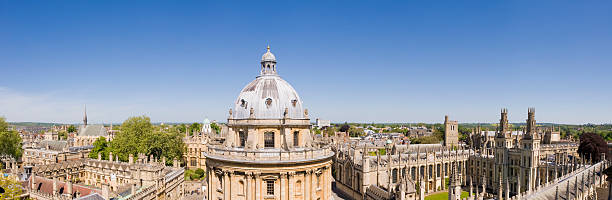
point(85, 116)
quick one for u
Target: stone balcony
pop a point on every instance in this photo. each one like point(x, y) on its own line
point(268, 156)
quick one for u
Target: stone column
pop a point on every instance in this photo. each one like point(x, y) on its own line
point(307, 185)
point(257, 186)
point(291, 188)
point(283, 184)
point(226, 186)
point(249, 190)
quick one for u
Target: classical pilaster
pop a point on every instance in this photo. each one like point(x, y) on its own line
point(227, 188)
point(291, 189)
point(249, 190)
point(308, 185)
point(258, 190)
point(283, 186)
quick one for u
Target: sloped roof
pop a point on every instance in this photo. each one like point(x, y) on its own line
point(56, 145)
point(45, 185)
point(92, 130)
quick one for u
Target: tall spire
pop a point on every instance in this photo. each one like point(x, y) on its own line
point(85, 116)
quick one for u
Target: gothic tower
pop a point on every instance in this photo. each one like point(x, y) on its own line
point(503, 142)
point(530, 146)
point(451, 132)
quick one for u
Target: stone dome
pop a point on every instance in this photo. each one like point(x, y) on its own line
point(268, 96)
point(268, 56)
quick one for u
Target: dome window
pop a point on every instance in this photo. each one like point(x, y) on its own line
point(268, 102)
point(243, 103)
point(294, 102)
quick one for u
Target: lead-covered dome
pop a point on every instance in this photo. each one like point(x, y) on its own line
point(268, 96)
point(268, 56)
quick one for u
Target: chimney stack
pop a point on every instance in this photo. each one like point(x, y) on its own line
point(105, 192)
point(131, 159)
point(69, 187)
point(99, 156)
point(176, 163)
point(110, 156)
point(54, 185)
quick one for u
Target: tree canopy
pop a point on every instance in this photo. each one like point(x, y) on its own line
point(592, 144)
point(215, 127)
point(12, 188)
point(345, 127)
point(100, 146)
point(137, 135)
point(10, 141)
point(71, 129)
point(195, 127)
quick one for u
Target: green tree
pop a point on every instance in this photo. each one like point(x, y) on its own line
point(215, 127)
point(10, 141)
point(165, 144)
point(330, 130)
point(200, 172)
point(71, 129)
point(195, 127)
point(63, 135)
point(11, 187)
point(130, 138)
point(100, 146)
point(137, 135)
point(355, 132)
point(181, 128)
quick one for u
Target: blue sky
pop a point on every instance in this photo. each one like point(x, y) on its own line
point(356, 61)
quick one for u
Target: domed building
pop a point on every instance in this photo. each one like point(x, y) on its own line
point(268, 151)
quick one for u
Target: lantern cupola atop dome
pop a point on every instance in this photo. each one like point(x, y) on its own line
point(268, 63)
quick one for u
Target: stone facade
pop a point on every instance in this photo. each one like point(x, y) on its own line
point(140, 179)
point(519, 158)
point(268, 151)
point(451, 132)
point(196, 145)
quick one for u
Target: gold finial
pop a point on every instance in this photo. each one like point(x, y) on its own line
point(268, 47)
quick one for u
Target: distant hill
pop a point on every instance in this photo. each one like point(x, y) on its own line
point(39, 124)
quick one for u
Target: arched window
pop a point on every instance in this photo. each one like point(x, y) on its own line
point(242, 137)
point(298, 187)
point(296, 138)
point(241, 187)
point(394, 175)
point(269, 139)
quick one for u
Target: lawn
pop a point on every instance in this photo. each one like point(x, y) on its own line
point(444, 196)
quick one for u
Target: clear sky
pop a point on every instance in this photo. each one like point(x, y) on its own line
point(356, 61)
